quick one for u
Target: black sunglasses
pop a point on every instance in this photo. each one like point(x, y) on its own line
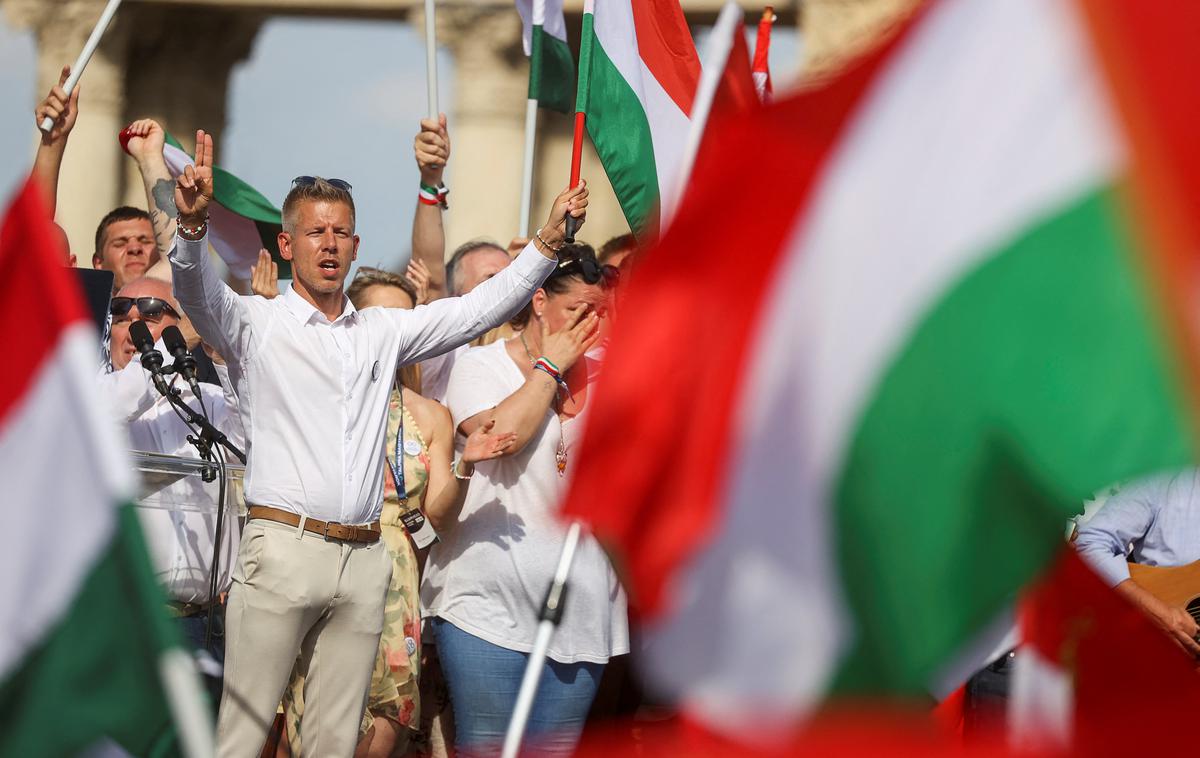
point(308, 181)
point(149, 308)
point(592, 271)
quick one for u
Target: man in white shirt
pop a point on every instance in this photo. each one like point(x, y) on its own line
point(312, 375)
point(180, 540)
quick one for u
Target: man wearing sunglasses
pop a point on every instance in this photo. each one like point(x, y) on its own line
point(313, 375)
point(180, 541)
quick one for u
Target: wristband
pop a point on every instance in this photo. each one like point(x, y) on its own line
point(192, 233)
point(433, 195)
point(454, 470)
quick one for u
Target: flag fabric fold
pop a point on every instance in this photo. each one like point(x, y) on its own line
point(762, 54)
point(886, 377)
point(636, 86)
point(87, 640)
point(551, 67)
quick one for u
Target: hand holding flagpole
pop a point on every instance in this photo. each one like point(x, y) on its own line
point(85, 55)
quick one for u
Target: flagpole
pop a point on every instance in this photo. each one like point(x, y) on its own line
point(531, 113)
point(551, 615)
point(431, 59)
point(716, 55)
point(185, 700)
point(585, 70)
point(85, 55)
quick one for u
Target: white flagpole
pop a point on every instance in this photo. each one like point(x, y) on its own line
point(716, 55)
point(85, 55)
point(531, 114)
point(552, 610)
point(185, 700)
point(431, 58)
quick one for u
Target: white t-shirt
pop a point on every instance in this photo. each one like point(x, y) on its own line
point(489, 573)
point(435, 373)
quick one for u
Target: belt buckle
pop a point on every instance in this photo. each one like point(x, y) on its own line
point(325, 533)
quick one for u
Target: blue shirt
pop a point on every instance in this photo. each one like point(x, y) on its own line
point(1155, 521)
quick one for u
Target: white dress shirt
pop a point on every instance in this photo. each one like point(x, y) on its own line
point(313, 393)
point(180, 541)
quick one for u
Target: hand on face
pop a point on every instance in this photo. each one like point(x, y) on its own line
point(62, 110)
point(321, 247)
point(577, 336)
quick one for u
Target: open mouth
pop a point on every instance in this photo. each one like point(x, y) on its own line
point(328, 267)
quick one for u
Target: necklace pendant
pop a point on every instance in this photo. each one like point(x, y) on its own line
point(561, 460)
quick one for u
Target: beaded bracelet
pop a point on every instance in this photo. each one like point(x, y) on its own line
point(538, 236)
point(192, 233)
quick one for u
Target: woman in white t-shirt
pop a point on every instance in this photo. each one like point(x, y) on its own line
point(486, 579)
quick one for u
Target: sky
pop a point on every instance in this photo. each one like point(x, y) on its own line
point(360, 128)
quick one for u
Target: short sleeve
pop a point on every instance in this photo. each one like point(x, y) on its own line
point(476, 383)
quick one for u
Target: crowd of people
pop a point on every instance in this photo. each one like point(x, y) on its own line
point(409, 437)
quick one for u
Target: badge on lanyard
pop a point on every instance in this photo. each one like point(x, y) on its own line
point(412, 447)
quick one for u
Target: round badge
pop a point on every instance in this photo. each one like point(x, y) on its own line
point(410, 645)
point(375, 371)
point(412, 447)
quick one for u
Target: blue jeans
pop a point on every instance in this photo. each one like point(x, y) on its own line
point(483, 680)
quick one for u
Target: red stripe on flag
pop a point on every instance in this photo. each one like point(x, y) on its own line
point(656, 453)
point(666, 47)
point(1147, 49)
point(762, 52)
point(39, 298)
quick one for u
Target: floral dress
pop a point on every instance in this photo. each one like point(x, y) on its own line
point(393, 694)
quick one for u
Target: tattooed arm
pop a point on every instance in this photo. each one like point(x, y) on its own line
point(146, 146)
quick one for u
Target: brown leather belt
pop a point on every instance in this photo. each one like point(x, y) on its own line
point(330, 530)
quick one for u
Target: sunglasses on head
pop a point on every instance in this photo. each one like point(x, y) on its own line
point(149, 308)
point(308, 181)
point(592, 271)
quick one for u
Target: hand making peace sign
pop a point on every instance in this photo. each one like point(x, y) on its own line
point(194, 187)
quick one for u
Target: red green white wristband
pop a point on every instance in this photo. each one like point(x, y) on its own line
point(433, 195)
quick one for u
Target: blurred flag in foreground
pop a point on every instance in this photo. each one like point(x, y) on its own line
point(87, 652)
point(867, 390)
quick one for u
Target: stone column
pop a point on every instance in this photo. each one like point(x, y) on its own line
point(90, 183)
point(179, 75)
point(486, 120)
point(837, 30)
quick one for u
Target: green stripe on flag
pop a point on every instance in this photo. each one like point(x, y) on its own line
point(551, 71)
point(97, 670)
point(620, 132)
point(932, 542)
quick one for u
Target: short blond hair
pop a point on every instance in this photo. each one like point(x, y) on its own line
point(318, 191)
point(368, 277)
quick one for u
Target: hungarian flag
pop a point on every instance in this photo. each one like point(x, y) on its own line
point(1094, 676)
point(87, 654)
point(762, 52)
point(551, 67)
point(638, 72)
point(945, 308)
point(241, 220)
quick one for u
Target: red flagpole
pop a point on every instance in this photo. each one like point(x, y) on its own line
point(581, 101)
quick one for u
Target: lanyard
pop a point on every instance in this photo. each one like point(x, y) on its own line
point(398, 466)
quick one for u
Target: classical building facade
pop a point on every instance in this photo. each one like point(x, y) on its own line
point(136, 74)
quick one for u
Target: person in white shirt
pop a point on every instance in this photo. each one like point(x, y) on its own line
point(313, 377)
point(180, 541)
point(487, 576)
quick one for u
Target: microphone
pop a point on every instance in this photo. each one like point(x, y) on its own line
point(185, 362)
point(152, 360)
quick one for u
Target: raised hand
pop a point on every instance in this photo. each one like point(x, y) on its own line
point(578, 335)
point(194, 187)
point(417, 273)
point(146, 139)
point(571, 201)
point(264, 276)
point(483, 445)
point(62, 110)
point(432, 149)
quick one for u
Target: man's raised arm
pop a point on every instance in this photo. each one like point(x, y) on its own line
point(144, 140)
point(219, 315)
point(447, 323)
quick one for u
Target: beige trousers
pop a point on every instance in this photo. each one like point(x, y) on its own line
point(294, 592)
